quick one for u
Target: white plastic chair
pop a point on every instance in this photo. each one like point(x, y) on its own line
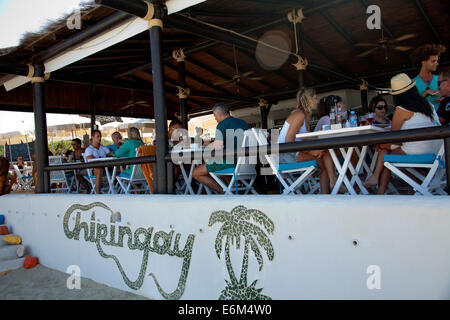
point(23, 182)
point(128, 183)
point(432, 183)
point(243, 176)
point(58, 177)
point(91, 178)
point(290, 175)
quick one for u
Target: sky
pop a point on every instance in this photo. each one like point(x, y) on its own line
point(20, 16)
point(24, 121)
point(16, 18)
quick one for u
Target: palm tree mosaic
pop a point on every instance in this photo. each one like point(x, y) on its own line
point(254, 227)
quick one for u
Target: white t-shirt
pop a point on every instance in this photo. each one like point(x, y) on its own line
point(325, 120)
point(96, 153)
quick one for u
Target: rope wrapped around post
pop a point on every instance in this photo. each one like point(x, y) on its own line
point(152, 22)
point(301, 64)
point(36, 79)
point(262, 103)
point(183, 93)
point(178, 55)
point(364, 85)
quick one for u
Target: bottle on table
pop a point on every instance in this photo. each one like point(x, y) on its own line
point(339, 116)
point(332, 117)
point(353, 119)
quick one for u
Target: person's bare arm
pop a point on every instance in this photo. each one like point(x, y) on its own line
point(400, 116)
point(217, 144)
point(295, 121)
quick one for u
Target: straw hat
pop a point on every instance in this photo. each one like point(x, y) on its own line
point(401, 83)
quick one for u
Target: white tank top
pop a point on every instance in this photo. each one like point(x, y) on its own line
point(419, 120)
point(285, 129)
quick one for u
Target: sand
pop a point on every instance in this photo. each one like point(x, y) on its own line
point(41, 283)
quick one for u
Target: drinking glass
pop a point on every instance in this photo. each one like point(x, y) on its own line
point(362, 121)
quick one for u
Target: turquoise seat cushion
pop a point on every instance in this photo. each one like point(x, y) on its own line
point(296, 165)
point(226, 171)
point(124, 175)
point(427, 158)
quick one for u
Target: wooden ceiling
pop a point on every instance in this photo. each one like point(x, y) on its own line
point(330, 33)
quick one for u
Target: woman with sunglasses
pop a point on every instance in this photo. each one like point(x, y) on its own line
point(412, 111)
point(379, 106)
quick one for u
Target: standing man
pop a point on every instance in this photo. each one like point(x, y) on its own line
point(117, 139)
point(444, 89)
point(427, 58)
point(230, 127)
point(95, 151)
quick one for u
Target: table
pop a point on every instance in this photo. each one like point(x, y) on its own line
point(109, 177)
point(347, 154)
point(178, 151)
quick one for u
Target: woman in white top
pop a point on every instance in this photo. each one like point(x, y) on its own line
point(412, 111)
point(298, 122)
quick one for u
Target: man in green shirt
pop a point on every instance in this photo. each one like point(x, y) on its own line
point(128, 149)
point(229, 131)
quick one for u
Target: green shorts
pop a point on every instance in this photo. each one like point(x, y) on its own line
point(214, 167)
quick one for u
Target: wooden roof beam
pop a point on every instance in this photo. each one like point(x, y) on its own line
point(211, 43)
point(428, 21)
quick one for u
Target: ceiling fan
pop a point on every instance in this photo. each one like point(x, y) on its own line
point(386, 44)
point(238, 77)
point(132, 103)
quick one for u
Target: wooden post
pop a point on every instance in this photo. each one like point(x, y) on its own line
point(93, 106)
point(159, 101)
point(447, 162)
point(364, 96)
point(179, 56)
point(40, 123)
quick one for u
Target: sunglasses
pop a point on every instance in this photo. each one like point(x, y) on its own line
point(381, 107)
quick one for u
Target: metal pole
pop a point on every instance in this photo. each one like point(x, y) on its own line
point(183, 101)
point(447, 162)
point(263, 118)
point(159, 101)
point(364, 101)
point(40, 123)
point(170, 178)
point(301, 52)
point(93, 99)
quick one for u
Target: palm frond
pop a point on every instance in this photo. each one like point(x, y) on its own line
point(261, 218)
point(238, 211)
point(218, 244)
point(257, 252)
point(219, 216)
point(262, 239)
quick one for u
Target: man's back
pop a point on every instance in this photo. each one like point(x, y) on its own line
point(232, 124)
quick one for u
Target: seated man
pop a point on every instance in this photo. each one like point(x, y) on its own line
point(173, 127)
point(117, 139)
point(444, 89)
point(20, 163)
point(95, 151)
point(77, 155)
point(225, 123)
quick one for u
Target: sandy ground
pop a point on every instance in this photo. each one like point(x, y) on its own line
point(41, 283)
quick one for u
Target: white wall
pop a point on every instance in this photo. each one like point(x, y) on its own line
point(314, 255)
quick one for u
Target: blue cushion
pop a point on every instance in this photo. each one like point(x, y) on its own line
point(27, 177)
point(427, 158)
point(124, 175)
point(296, 165)
point(226, 171)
